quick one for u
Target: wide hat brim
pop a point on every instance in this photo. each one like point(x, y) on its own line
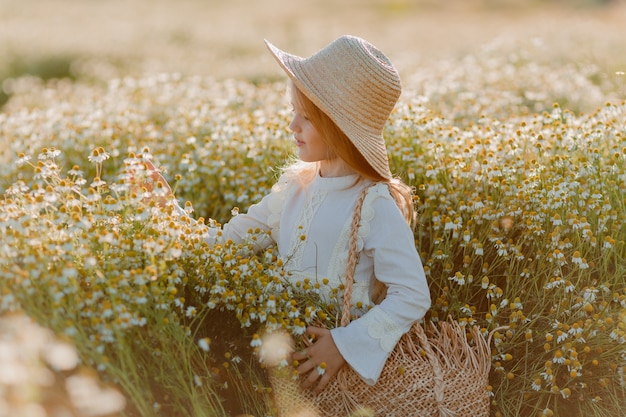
point(353, 83)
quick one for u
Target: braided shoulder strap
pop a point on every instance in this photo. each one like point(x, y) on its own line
point(353, 256)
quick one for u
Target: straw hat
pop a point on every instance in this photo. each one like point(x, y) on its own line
point(356, 85)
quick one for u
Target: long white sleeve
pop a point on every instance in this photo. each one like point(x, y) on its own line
point(260, 217)
point(366, 342)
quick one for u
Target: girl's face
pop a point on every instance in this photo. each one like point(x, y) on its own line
point(311, 146)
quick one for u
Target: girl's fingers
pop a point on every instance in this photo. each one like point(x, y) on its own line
point(300, 356)
point(315, 331)
point(305, 367)
point(156, 176)
point(311, 379)
point(149, 165)
point(325, 380)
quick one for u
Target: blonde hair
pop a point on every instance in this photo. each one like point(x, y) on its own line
point(342, 147)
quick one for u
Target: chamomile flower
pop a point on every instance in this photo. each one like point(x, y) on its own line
point(205, 344)
point(321, 369)
point(98, 156)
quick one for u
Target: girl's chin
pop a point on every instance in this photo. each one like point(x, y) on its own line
point(304, 157)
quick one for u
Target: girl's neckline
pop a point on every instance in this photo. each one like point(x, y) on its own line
point(335, 183)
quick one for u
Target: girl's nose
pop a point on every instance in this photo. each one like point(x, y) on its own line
point(293, 125)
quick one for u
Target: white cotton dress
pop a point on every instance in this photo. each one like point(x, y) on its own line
point(321, 211)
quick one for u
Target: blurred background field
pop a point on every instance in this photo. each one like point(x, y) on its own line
point(102, 39)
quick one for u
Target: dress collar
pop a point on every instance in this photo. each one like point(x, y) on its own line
point(334, 183)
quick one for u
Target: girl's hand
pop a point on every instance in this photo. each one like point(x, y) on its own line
point(155, 181)
point(321, 360)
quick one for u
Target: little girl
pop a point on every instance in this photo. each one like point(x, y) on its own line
point(342, 97)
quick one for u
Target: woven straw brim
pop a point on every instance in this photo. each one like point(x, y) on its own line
point(339, 82)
